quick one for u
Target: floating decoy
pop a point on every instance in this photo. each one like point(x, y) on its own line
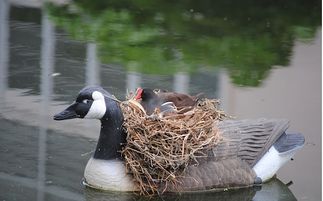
point(251, 153)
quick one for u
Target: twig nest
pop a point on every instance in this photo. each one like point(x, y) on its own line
point(159, 149)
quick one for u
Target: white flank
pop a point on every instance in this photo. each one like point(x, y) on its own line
point(98, 107)
point(108, 175)
point(269, 164)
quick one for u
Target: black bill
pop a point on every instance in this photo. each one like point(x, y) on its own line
point(68, 113)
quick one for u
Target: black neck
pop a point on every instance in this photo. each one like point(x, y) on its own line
point(112, 136)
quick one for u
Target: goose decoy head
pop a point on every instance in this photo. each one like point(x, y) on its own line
point(90, 103)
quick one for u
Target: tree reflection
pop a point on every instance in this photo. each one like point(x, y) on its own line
point(162, 37)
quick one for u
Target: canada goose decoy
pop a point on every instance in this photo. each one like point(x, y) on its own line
point(151, 100)
point(250, 152)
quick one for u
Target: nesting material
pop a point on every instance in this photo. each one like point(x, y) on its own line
point(159, 148)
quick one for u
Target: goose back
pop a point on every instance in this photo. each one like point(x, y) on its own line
point(230, 163)
point(248, 139)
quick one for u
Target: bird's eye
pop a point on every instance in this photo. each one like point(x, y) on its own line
point(86, 101)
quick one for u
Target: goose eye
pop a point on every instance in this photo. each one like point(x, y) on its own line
point(86, 101)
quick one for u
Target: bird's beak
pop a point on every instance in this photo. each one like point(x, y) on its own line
point(137, 97)
point(138, 94)
point(68, 113)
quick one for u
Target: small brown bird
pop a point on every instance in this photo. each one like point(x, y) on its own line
point(151, 100)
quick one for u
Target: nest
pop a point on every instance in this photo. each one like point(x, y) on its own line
point(159, 149)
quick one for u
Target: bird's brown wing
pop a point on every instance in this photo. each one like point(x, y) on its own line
point(180, 100)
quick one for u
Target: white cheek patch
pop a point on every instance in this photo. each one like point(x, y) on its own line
point(97, 95)
point(98, 107)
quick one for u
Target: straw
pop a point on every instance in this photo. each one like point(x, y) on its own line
point(159, 148)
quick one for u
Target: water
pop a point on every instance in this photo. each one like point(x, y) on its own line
point(261, 59)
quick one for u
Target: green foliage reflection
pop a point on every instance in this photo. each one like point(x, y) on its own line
point(163, 37)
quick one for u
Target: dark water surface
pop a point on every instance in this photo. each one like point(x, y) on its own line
point(261, 60)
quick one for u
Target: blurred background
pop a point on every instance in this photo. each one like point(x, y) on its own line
point(260, 58)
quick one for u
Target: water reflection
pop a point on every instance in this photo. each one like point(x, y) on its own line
point(46, 64)
point(247, 38)
point(92, 65)
point(4, 53)
point(274, 190)
point(41, 69)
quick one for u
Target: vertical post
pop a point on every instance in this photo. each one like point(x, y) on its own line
point(4, 47)
point(92, 65)
point(226, 92)
point(47, 66)
point(181, 82)
point(133, 80)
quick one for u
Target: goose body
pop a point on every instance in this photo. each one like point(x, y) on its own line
point(249, 153)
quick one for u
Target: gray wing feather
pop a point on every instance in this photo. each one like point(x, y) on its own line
point(248, 140)
point(230, 162)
